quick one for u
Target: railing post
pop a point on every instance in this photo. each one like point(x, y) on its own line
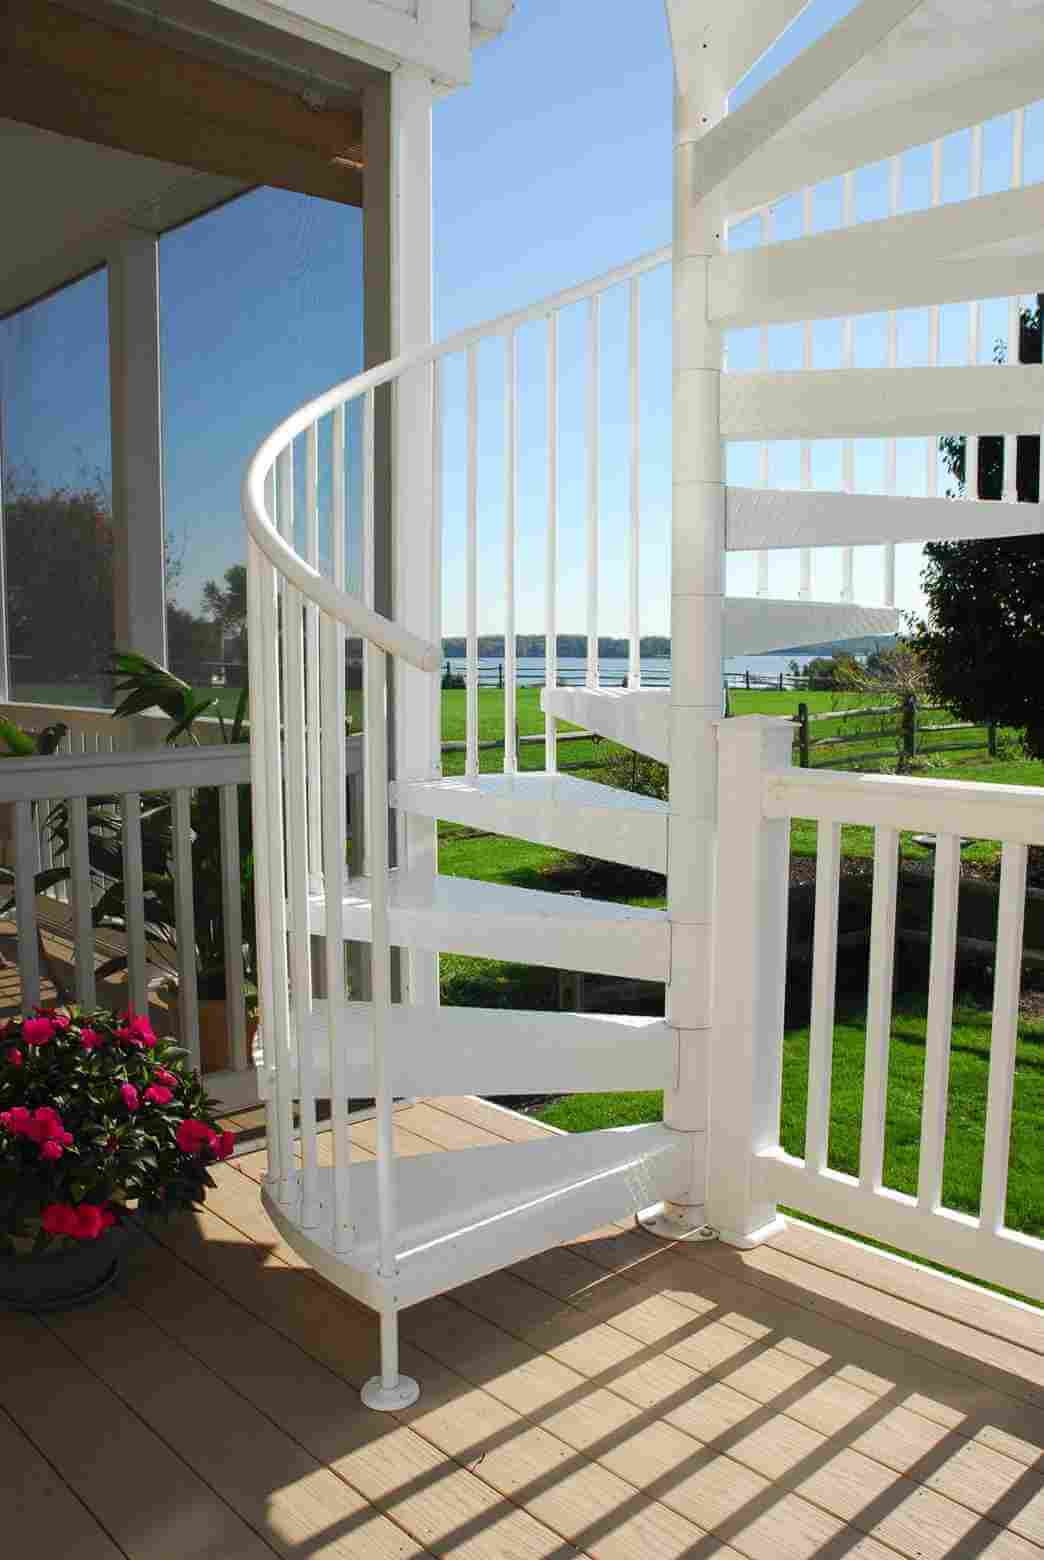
point(750, 967)
point(991, 738)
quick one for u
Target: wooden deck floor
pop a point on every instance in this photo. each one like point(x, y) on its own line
point(616, 1398)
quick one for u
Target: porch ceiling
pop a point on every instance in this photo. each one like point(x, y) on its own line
point(66, 200)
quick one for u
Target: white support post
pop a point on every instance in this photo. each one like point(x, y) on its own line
point(137, 447)
point(417, 548)
point(697, 583)
point(749, 978)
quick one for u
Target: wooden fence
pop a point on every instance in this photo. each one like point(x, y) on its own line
point(900, 726)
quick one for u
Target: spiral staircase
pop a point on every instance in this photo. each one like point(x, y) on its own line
point(393, 1232)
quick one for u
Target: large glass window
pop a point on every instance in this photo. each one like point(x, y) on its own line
point(260, 309)
point(57, 514)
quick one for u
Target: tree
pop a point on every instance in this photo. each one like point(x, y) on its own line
point(983, 642)
point(59, 563)
point(227, 605)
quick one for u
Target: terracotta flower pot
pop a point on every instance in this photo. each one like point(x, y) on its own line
point(215, 1040)
point(68, 1275)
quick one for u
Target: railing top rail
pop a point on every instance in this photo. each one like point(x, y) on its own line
point(101, 774)
point(93, 712)
point(1012, 813)
point(337, 603)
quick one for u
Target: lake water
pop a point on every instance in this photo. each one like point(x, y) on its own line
point(612, 670)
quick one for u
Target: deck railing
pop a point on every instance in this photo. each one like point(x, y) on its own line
point(117, 785)
point(759, 794)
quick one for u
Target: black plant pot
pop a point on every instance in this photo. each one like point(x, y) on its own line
point(59, 1279)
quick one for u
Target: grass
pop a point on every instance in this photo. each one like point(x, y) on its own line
point(966, 1121)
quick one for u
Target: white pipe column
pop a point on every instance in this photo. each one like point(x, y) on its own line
point(417, 551)
point(697, 555)
point(137, 447)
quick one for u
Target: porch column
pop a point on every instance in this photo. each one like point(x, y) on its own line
point(417, 540)
point(137, 447)
point(697, 551)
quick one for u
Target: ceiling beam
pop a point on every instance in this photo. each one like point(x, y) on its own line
point(991, 247)
point(882, 402)
point(62, 71)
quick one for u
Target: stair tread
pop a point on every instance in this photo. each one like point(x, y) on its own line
point(534, 785)
point(635, 717)
point(558, 810)
point(450, 1050)
point(495, 920)
point(469, 1212)
point(439, 893)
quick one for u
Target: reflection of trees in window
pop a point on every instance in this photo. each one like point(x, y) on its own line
point(59, 557)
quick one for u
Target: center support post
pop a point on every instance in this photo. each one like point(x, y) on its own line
point(697, 587)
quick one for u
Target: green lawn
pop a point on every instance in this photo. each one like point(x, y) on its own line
point(969, 1071)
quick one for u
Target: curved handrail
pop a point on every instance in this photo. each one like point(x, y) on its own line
point(345, 608)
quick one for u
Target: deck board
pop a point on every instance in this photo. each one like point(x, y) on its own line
point(616, 1398)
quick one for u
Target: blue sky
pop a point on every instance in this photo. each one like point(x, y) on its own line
point(552, 166)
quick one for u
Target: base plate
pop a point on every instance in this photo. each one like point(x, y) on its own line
point(668, 1222)
point(387, 1400)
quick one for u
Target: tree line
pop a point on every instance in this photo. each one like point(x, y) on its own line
point(573, 646)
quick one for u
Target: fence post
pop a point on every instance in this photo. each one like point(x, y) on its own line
point(909, 725)
point(750, 968)
point(500, 674)
point(991, 738)
point(803, 749)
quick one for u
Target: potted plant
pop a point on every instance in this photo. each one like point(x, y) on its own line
point(101, 1125)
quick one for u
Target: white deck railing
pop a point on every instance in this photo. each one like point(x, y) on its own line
point(759, 795)
point(119, 781)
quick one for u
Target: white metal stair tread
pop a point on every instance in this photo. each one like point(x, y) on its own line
point(494, 920)
point(549, 809)
point(782, 517)
point(470, 1212)
point(489, 1051)
point(635, 717)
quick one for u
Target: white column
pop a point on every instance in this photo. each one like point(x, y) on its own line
point(5, 645)
point(137, 447)
point(417, 604)
point(697, 554)
point(749, 977)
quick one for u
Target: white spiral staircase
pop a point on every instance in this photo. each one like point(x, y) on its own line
point(392, 1232)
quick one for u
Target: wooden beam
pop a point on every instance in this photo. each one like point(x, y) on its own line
point(65, 72)
point(990, 247)
point(882, 402)
point(758, 518)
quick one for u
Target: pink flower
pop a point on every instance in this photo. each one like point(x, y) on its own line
point(59, 1219)
point(157, 1095)
point(16, 1119)
point(59, 1020)
point(51, 1149)
point(14, 1057)
point(90, 1039)
point(37, 1031)
point(129, 1095)
point(136, 1031)
point(90, 1221)
point(225, 1144)
point(193, 1137)
point(168, 1079)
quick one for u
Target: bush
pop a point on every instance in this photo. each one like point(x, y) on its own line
point(97, 1118)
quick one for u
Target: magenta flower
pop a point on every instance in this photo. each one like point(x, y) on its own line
point(168, 1079)
point(193, 1137)
point(37, 1031)
point(90, 1039)
point(129, 1095)
point(157, 1095)
point(14, 1056)
point(51, 1149)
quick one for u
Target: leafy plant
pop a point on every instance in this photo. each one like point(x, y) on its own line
point(97, 1118)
